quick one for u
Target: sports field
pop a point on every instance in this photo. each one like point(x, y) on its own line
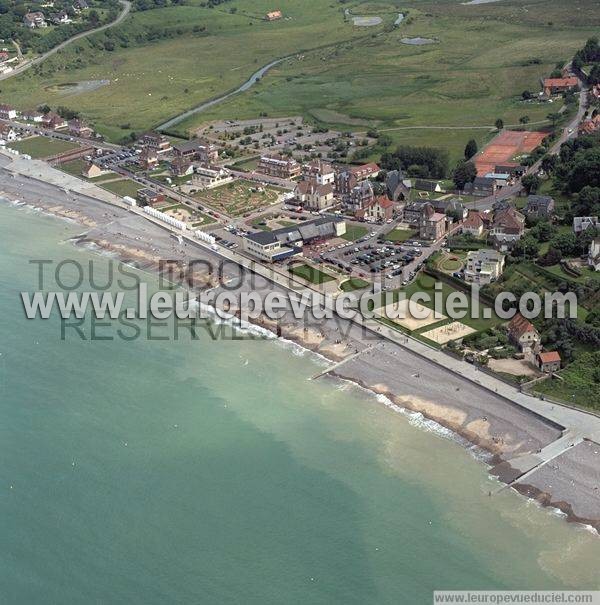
point(505, 149)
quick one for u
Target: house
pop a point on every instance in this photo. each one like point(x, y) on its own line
point(273, 16)
point(590, 126)
point(431, 186)
point(3, 56)
point(80, 5)
point(181, 167)
point(279, 166)
point(539, 206)
point(282, 243)
point(473, 224)
point(8, 133)
point(53, 121)
point(32, 115)
point(91, 170)
point(515, 170)
point(79, 129)
point(594, 254)
point(149, 197)
point(380, 209)
point(433, 224)
point(148, 159)
point(508, 226)
point(365, 171)
point(155, 141)
point(557, 86)
point(320, 172)
point(361, 196)
point(34, 20)
point(483, 266)
point(398, 188)
point(501, 178)
point(195, 149)
point(452, 207)
point(7, 112)
point(314, 196)
point(583, 223)
point(482, 186)
point(413, 212)
point(523, 334)
point(549, 361)
point(59, 18)
point(207, 177)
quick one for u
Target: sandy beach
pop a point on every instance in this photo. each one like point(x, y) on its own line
point(570, 482)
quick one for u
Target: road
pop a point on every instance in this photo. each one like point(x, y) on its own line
point(25, 66)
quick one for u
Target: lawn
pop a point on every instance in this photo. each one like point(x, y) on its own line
point(339, 75)
point(123, 187)
point(354, 232)
point(400, 235)
point(354, 283)
point(75, 167)
point(42, 147)
point(311, 274)
point(580, 384)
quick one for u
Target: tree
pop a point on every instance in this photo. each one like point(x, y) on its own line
point(554, 117)
point(464, 173)
point(564, 242)
point(549, 163)
point(526, 95)
point(471, 149)
point(499, 124)
point(526, 247)
point(524, 119)
point(531, 182)
point(543, 231)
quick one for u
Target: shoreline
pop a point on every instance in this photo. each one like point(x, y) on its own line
point(509, 432)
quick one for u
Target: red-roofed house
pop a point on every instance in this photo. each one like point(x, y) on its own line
point(556, 86)
point(473, 224)
point(549, 361)
point(365, 171)
point(523, 334)
point(379, 209)
point(7, 112)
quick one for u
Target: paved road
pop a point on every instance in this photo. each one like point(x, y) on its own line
point(25, 66)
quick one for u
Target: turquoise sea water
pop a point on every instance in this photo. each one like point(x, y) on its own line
point(217, 472)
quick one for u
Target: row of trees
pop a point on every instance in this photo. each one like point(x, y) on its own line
point(419, 162)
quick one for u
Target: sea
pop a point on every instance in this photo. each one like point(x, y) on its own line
point(159, 470)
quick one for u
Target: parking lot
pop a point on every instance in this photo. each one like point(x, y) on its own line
point(368, 258)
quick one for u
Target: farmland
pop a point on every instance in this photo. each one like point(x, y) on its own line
point(460, 81)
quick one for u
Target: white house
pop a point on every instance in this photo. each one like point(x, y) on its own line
point(484, 266)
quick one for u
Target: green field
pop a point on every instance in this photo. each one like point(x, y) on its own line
point(314, 276)
point(354, 283)
point(123, 187)
point(400, 235)
point(339, 75)
point(42, 147)
point(354, 232)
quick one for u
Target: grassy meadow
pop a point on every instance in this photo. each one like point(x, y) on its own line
point(353, 78)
